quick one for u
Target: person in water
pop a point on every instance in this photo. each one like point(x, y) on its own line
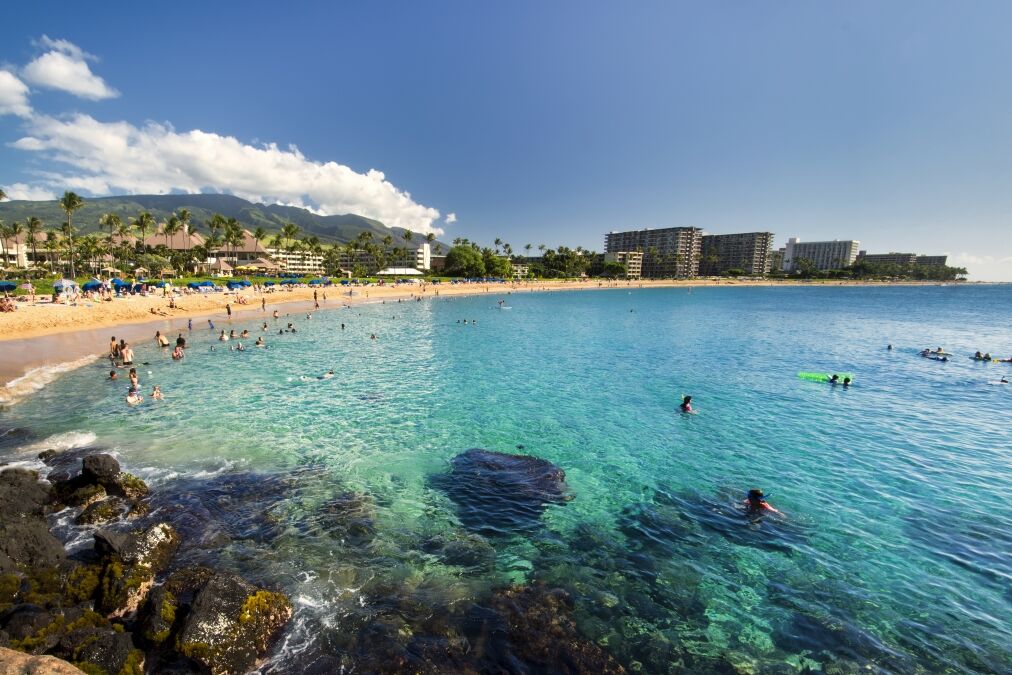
point(756, 502)
point(978, 357)
point(686, 404)
point(260, 342)
point(133, 396)
point(178, 353)
point(327, 375)
point(112, 375)
point(835, 379)
point(846, 381)
point(156, 394)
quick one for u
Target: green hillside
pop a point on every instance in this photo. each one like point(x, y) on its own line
point(330, 229)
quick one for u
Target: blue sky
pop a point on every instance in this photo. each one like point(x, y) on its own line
point(550, 123)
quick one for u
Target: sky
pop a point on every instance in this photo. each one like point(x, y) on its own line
point(554, 123)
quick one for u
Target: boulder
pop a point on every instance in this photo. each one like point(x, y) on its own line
point(22, 495)
point(100, 468)
point(231, 623)
point(500, 494)
point(17, 663)
point(28, 543)
point(26, 627)
point(109, 650)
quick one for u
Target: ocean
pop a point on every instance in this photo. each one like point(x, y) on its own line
point(894, 550)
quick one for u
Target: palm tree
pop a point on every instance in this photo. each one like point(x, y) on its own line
point(5, 232)
point(52, 243)
point(15, 230)
point(184, 225)
point(67, 230)
point(170, 229)
point(69, 203)
point(110, 220)
point(33, 226)
point(542, 247)
point(498, 243)
point(408, 235)
point(430, 237)
point(142, 222)
point(527, 248)
point(289, 232)
point(259, 235)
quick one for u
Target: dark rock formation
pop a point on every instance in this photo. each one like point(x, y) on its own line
point(25, 540)
point(497, 494)
point(100, 476)
point(231, 623)
point(100, 468)
point(131, 561)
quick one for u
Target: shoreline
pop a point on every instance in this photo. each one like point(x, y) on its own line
point(40, 336)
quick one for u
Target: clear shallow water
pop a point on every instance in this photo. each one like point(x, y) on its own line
point(897, 546)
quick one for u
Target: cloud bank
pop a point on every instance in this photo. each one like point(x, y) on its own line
point(108, 157)
point(13, 95)
point(102, 158)
point(64, 66)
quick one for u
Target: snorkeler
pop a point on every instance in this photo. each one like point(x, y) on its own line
point(756, 502)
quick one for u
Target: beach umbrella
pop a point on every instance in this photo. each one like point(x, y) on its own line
point(7, 286)
point(65, 283)
point(92, 285)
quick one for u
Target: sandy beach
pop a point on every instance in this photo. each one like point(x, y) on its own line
point(45, 335)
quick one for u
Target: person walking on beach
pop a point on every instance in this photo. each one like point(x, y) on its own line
point(189, 324)
point(228, 310)
point(263, 304)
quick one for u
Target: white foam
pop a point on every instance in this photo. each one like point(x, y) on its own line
point(65, 441)
point(37, 378)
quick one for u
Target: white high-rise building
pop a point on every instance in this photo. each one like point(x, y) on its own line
point(824, 255)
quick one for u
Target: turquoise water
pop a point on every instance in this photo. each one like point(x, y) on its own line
point(896, 548)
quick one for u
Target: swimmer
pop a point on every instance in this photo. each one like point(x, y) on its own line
point(240, 348)
point(835, 379)
point(112, 375)
point(373, 336)
point(342, 326)
point(134, 397)
point(756, 502)
point(181, 341)
point(223, 337)
point(134, 382)
point(846, 381)
point(327, 375)
point(161, 339)
point(889, 348)
point(260, 342)
point(231, 334)
point(275, 314)
point(178, 353)
point(244, 334)
point(309, 316)
point(156, 394)
point(686, 405)
point(264, 327)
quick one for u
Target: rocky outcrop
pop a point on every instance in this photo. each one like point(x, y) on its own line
point(131, 561)
point(18, 663)
point(499, 494)
point(100, 477)
point(231, 623)
point(25, 540)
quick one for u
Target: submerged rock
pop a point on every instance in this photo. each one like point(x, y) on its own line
point(231, 623)
point(497, 494)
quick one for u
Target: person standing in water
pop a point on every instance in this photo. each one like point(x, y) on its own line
point(686, 404)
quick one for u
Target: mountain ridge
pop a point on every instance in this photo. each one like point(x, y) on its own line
point(339, 229)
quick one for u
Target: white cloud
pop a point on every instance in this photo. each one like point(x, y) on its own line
point(451, 218)
point(64, 66)
point(26, 191)
point(108, 157)
point(13, 95)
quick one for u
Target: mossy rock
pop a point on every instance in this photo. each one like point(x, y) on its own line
point(82, 583)
point(123, 588)
point(10, 584)
point(72, 493)
point(160, 616)
point(231, 623)
point(130, 486)
point(101, 512)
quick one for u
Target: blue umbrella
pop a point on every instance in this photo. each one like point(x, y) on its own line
point(7, 286)
point(92, 285)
